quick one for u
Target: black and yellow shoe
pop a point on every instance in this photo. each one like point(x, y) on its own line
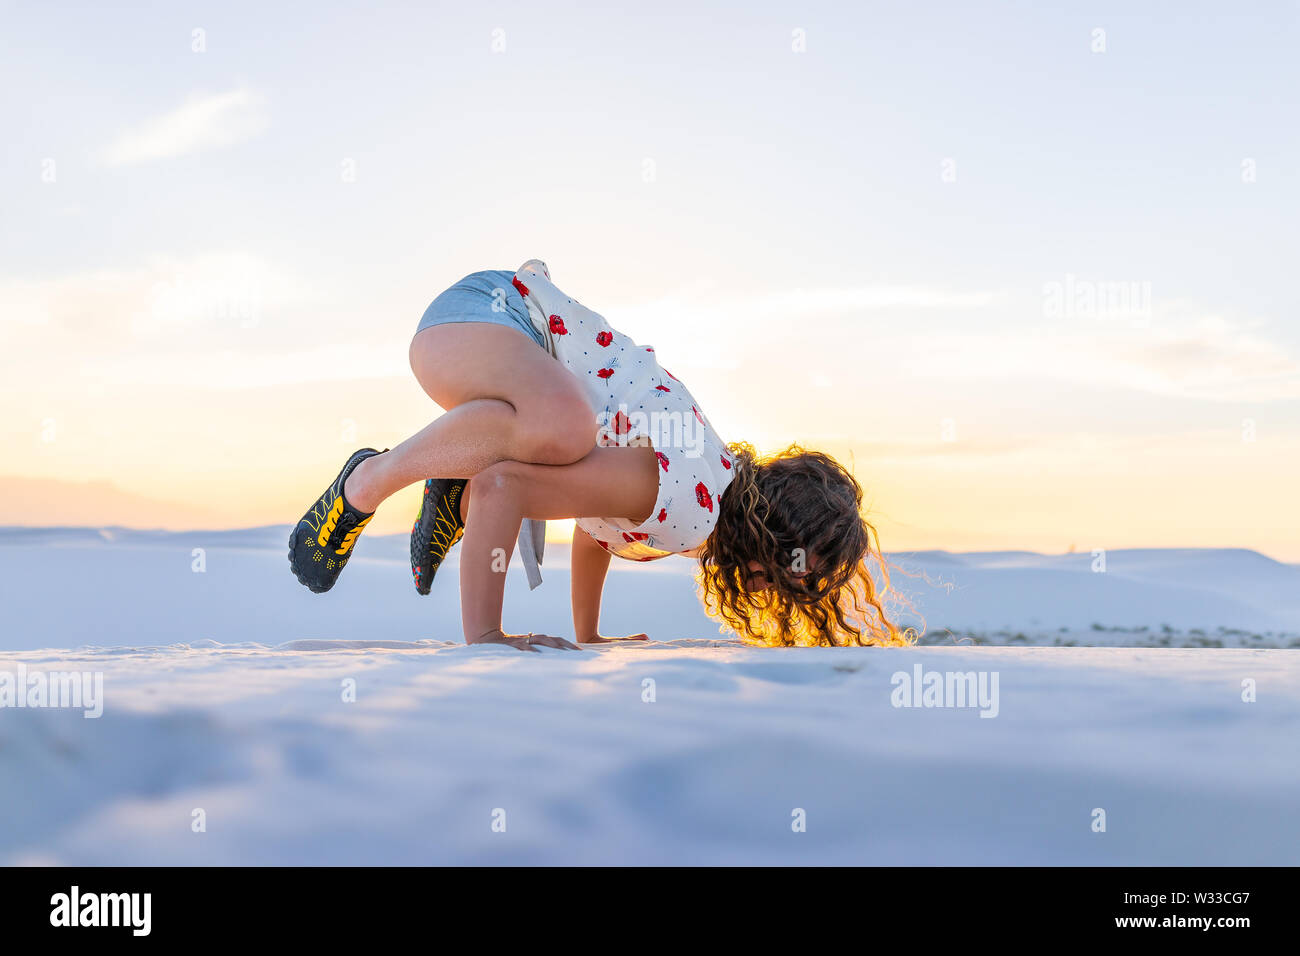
point(321, 543)
point(437, 527)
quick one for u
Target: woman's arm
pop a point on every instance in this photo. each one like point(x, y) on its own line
point(588, 566)
point(610, 482)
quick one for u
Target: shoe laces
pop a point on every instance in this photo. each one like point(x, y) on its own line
point(346, 531)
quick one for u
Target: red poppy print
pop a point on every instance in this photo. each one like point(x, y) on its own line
point(703, 497)
point(523, 289)
point(671, 375)
point(634, 536)
point(603, 544)
point(662, 388)
point(557, 326)
point(663, 515)
point(603, 339)
point(726, 462)
point(605, 372)
point(649, 349)
point(621, 424)
point(663, 460)
point(698, 415)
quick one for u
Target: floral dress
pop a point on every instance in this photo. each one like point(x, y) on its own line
point(637, 402)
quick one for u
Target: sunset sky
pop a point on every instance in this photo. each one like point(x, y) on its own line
point(1036, 281)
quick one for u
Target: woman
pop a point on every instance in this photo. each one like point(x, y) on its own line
point(553, 413)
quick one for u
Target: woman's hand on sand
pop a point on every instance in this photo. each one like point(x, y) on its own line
point(525, 642)
point(600, 639)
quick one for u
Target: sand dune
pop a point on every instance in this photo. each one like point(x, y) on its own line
point(443, 739)
point(225, 697)
point(145, 589)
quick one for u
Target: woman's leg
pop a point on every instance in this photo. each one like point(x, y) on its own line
point(622, 482)
point(506, 399)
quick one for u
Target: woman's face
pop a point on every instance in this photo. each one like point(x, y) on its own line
point(757, 579)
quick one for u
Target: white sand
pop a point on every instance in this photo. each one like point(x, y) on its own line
point(586, 771)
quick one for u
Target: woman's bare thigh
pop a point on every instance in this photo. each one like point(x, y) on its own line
point(461, 361)
point(553, 421)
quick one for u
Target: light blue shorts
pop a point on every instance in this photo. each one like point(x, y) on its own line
point(483, 297)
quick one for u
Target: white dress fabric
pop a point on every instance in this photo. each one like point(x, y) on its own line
point(637, 402)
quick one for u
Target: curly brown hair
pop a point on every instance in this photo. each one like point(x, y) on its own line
point(798, 514)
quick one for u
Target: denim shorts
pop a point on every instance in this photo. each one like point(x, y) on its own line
point(483, 297)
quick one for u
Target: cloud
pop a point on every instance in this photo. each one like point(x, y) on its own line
point(1203, 357)
point(204, 122)
point(161, 290)
point(696, 308)
point(1209, 357)
point(163, 305)
point(219, 319)
point(916, 334)
point(724, 326)
point(866, 298)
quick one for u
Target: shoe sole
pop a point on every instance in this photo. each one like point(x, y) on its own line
point(420, 546)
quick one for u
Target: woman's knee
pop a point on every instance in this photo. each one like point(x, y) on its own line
point(557, 429)
point(493, 480)
point(493, 486)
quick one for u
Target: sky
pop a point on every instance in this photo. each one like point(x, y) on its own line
point(1030, 270)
